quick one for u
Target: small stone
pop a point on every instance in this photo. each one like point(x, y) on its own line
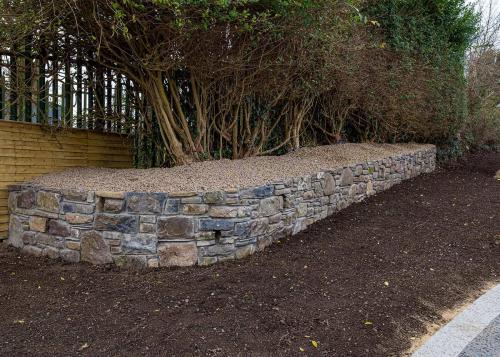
point(73, 245)
point(153, 263)
point(175, 228)
point(71, 256)
point(178, 254)
point(116, 222)
point(369, 189)
point(139, 244)
point(206, 261)
point(113, 205)
point(145, 202)
point(38, 224)
point(48, 201)
point(194, 209)
point(244, 251)
point(59, 228)
point(94, 248)
point(76, 218)
point(26, 199)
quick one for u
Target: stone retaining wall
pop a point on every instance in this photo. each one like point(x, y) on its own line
point(136, 229)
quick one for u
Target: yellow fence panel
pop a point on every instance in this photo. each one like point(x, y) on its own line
point(28, 150)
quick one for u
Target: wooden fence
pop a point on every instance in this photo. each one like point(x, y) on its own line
point(28, 150)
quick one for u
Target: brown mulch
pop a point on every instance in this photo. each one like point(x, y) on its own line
point(364, 282)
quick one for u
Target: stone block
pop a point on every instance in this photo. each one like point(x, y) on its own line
point(71, 256)
point(252, 228)
point(206, 261)
point(271, 205)
point(328, 184)
point(194, 209)
point(77, 218)
point(213, 224)
point(16, 231)
point(38, 224)
point(116, 223)
point(110, 194)
point(148, 219)
point(59, 228)
point(226, 211)
point(75, 195)
point(257, 192)
point(131, 262)
point(73, 245)
point(172, 206)
point(29, 238)
point(178, 254)
point(145, 203)
point(214, 197)
point(113, 205)
point(139, 244)
point(32, 250)
point(48, 201)
point(177, 227)
point(347, 178)
point(147, 228)
point(94, 248)
point(26, 199)
point(51, 252)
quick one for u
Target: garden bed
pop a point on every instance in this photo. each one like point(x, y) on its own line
point(433, 239)
point(201, 213)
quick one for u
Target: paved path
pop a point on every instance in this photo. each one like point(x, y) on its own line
point(473, 333)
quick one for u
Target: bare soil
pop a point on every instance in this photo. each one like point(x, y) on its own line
point(367, 281)
point(224, 174)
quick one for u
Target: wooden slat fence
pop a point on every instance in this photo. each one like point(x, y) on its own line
point(28, 150)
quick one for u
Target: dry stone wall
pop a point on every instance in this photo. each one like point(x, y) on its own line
point(140, 229)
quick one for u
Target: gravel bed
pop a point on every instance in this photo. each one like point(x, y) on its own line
point(223, 174)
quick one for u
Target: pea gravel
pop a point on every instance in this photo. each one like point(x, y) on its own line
point(223, 174)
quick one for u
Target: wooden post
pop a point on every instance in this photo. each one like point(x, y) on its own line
point(118, 100)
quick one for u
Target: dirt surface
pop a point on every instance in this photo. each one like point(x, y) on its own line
point(224, 174)
point(364, 282)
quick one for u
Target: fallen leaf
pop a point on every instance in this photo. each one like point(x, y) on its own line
point(368, 323)
point(386, 283)
point(84, 346)
point(301, 349)
point(314, 343)
point(20, 322)
point(62, 279)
